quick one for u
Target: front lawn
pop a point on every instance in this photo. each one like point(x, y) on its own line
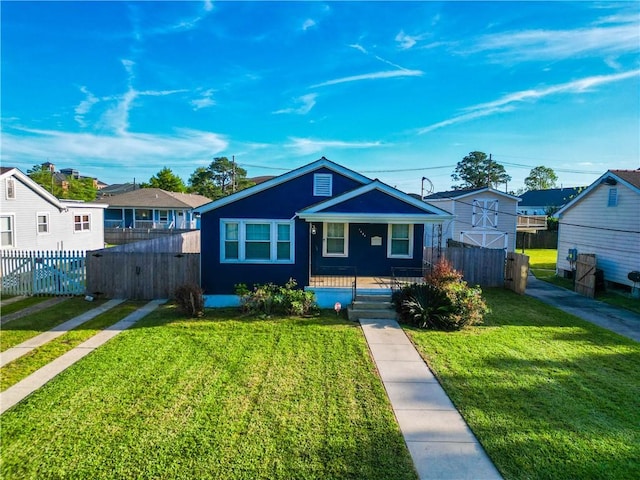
point(548, 395)
point(220, 397)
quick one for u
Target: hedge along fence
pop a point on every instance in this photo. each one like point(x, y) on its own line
point(140, 275)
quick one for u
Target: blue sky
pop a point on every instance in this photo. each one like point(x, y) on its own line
point(395, 91)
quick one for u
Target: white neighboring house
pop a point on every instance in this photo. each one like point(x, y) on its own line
point(484, 217)
point(604, 220)
point(31, 218)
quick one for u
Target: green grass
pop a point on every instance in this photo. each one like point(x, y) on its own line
point(20, 368)
point(21, 304)
point(220, 397)
point(548, 395)
point(542, 263)
point(21, 329)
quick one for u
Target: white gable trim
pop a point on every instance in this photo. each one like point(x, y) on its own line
point(583, 194)
point(26, 180)
point(321, 163)
point(373, 185)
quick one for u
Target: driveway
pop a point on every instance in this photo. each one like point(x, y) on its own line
point(615, 319)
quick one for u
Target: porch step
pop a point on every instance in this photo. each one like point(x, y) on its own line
point(371, 306)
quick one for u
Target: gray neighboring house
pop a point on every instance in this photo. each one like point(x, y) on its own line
point(541, 202)
point(31, 218)
point(153, 208)
point(604, 219)
point(484, 217)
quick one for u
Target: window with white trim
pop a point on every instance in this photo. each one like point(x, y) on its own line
point(484, 213)
point(256, 241)
point(612, 200)
point(322, 184)
point(10, 188)
point(163, 216)
point(400, 244)
point(7, 231)
point(335, 241)
point(82, 223)
point(42, 221)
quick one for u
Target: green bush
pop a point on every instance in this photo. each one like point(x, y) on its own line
point(189, 298)
point(271, 299)
point(446, 302)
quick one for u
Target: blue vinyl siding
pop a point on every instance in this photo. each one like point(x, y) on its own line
point(280, 202)
point(369, 260)
point(374, 201)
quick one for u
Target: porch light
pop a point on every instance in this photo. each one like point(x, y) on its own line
point(313, 229)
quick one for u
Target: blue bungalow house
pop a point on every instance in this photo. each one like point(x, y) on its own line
point(322, 224)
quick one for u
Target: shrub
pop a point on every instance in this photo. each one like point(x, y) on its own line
point(446, 302)
point(189, 298)
point(270, 299)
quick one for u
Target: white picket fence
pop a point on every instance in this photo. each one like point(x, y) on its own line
point(42, 273)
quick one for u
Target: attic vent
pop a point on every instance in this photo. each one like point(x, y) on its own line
point(322, 184)
point(11, 188)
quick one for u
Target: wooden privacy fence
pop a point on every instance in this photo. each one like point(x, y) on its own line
point(43, 273)
point(585, 279)
point(140, 275)
point(516, 271)
point(479, 266)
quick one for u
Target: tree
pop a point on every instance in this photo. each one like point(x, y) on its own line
point(221, 178)
point(70, 188)
point(166, 180)
point(477, 170)
point(541, 178)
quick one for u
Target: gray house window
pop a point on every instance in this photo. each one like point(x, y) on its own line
point(10, 188)
point(6, 231)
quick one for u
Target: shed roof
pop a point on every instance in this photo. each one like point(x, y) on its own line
point(463, 192)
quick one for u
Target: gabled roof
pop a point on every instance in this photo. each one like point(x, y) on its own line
point(319, 210)
point(629, 178)
point(321, 163)
point(14, 172)
point(552, 197)
point(464, 192)
point(155, 198)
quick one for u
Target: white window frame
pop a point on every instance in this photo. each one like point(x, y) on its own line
point(325, 240)
point(12, 229)
point(242, 239)
point(10, 188)
point(390, 239)
point(81, 223)
point(163, 218)
point(47, 223)
point(482, 212)
point(612, 197)
point(322, 184)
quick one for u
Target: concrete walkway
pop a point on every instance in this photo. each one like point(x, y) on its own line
point(25, 347)
point(616, 319)
point(440, 442)
point(25, 387)
point(32, 309)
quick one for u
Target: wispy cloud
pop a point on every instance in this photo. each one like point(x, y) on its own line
point(85, 106)
point(204, 101)
point(308, 23)
point(371, 76)
point(182, 145)
point(399, 72)
point(305, 104)
point(306, 146)
point(405, 42)
point(509, 102)
point(615, 36)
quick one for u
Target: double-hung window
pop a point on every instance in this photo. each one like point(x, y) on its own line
point(400, 244)
point(336, 240)
point(42, 220)
point(7, 231)
point(81, 223)
point(256, 241)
